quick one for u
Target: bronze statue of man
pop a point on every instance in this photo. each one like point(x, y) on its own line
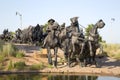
point(49, 28)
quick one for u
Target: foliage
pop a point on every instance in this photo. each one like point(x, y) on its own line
point(100, 39)
point(1, 59)
point(1, 44)
point(19, 54)
point(37, 66)
point(49, 66)
point(88, 29)
point(117, 56)
point(12, 33)
point(45, 27)
point(19, 65)
point(8, 50)
point(10, 65)
point(112, 50)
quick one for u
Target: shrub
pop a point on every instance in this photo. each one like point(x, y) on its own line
point(37, 66)
point(1, 44)
point(19, 65)
point(112, 50)
point(117, 56)
point(10, 65)
point(20, 54)
point(1, 61)
point(1, 58)
point(49, 66)
point(8, 50)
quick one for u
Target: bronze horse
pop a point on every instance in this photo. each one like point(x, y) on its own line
point(93, 39)
point(52, 42)
point(91, 44)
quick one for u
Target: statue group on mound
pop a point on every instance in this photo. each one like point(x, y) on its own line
point(71, 39)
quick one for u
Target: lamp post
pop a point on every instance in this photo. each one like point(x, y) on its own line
point(112, 20)
point(17, 13)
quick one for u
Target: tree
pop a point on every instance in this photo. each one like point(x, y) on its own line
point(88, 29)
point(45, 27)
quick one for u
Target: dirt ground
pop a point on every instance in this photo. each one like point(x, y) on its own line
point(35, 55)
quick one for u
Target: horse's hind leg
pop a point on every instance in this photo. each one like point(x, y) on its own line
point(79, 62)
point(91, 52)
point(49, 56)
point(55, 52)
point(69, 59)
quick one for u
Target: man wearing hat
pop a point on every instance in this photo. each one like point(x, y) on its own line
point(50, 24)
point(49, 28)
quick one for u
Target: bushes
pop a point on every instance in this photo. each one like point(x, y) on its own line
point(20, 54)
point(112, 50)
point(8, 50)
point(1, 44)
point(1, 61)
point(10, 65)
point(117, 56)
point(19, 65)
point(37, 66)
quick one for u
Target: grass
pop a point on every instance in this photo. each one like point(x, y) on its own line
point(1, 44)
point(10, 65)
point(112, 50)
point(1, 59)
point(117, 56)
point(1, 62)
point(20, 54)
point(8, 50)
point(19, 65)
point(37, 66)
point(49, 66)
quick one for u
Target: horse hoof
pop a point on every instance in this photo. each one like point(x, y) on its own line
point(69, 66)
point(43, 47)
point(81, 66)
point(55, 64)
point(50, 63)
point(97, 65)
point(55, 67)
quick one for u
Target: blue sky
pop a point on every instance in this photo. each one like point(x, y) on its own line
point(39, 11)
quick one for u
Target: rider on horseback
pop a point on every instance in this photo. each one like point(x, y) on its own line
point(49, 28)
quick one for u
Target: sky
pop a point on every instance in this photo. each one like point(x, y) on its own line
point(40, 11)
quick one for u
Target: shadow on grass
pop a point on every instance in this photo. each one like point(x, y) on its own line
point(108, 62)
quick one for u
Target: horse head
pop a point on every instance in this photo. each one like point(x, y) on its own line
point(100, 24)
point(74, 21)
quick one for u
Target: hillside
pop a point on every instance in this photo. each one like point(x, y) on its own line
point(35, 59)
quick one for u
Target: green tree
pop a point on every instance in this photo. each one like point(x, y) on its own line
point(45, 27)
point(88, 29)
